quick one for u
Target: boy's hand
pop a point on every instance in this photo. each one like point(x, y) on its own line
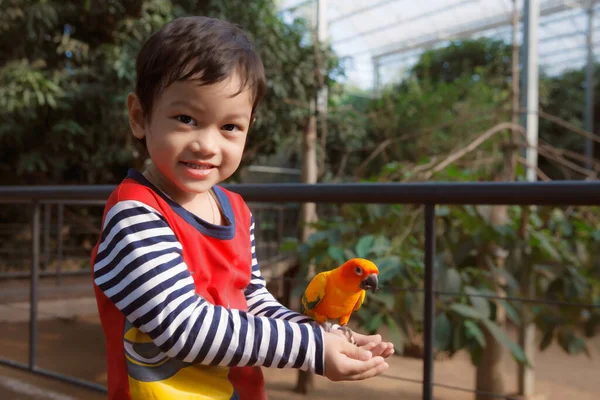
point(375, 344)
point(347, 362)
point(372, 343)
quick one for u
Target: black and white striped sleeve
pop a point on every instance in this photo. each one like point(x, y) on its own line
point(260, 301)
point(139, 267)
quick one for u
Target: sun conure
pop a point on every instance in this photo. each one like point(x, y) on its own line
point(336, 294)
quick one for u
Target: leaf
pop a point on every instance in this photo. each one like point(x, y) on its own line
point(298, 291)
point(50, 100)
point(539, 238)
point(473, 331)
point(389, 267)
point(592, 324)
point(510, 279)
point(387, 299)
point(349, 254)
point(450, 281)
point(290, 244)
point(502, 338)
point(442, 211)
point(481, 304)
point(303, 251)
point(466, 311)
point(511, 312)
point(40, 98)
point(458, 339)
point(547, 338)
point(337, 254)
point(364, 245)
point(374, 322)
point(395, 336)
point(443, 332)
point(476, 353)
point(571, 343)
point(381, 245)
point(375, 211)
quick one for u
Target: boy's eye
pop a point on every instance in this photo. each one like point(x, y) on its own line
point(185, 119)
point(230, 127)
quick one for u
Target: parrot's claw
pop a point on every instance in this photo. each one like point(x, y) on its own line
point(328, 327)
point(348, 333)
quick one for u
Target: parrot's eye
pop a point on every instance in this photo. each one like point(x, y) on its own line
point(358, 271)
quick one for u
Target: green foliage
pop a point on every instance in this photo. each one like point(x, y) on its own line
point(565, 99)
point(66, 68)
point(559, 250)
point(451, 62)
point(451, 94)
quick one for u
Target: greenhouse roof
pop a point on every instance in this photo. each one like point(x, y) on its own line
point(395, 32)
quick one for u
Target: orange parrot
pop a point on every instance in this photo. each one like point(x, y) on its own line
point(336, 294)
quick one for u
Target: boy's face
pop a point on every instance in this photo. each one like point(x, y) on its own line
point(195, 136)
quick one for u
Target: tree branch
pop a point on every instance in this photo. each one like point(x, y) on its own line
point(482, 138)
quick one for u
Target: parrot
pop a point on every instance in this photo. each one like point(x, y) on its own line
point(337, 293)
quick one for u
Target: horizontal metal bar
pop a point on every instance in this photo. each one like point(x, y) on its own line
point(523, 193)
point(55, 375)
point(43, 274)
point(539, 193)
point(463, 294)
point(67, 202)
point(65, 193)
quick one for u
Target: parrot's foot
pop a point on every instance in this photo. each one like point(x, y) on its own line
point(328, 327)
point(348, 333)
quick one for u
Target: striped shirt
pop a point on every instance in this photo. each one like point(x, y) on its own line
point(141, 267)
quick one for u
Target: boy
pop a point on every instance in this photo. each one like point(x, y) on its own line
point(185, 311)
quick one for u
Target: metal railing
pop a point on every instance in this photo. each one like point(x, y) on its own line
point(427, 194)
point(273, 227)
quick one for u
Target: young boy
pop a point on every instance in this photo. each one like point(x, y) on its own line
point(185, 311)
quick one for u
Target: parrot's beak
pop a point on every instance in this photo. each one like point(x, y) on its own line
point(370, 282)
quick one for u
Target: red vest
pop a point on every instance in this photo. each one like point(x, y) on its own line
point(221, 269)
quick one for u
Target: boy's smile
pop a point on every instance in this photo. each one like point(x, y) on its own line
point(195, 135)
point(198, 170)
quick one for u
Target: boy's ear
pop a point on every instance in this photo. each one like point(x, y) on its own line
point(137, 122)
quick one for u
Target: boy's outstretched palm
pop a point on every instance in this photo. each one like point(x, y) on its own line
point(348, 362)
point(375, 344)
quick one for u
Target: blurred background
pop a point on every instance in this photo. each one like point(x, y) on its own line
point(358, 91)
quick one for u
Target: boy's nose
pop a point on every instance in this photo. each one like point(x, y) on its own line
point(204, 143)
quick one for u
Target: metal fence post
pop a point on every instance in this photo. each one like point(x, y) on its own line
point(46, 228)
point(33, 294)
point(59, 241)
point(429, 311)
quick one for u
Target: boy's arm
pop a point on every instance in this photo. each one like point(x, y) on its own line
point(140, 268)
point(260, 301)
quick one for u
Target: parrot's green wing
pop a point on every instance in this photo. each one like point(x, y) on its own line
point(360, 300)
point(314, 293)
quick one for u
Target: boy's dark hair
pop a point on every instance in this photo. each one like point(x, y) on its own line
point(203, 47)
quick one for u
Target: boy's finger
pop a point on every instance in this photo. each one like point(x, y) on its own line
point(379, 349)
point(363, 339)
point(387, 349)
point(369, 346)
point(388, 352)
point(352, 367)
point(371, 372)
point(356, 352)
